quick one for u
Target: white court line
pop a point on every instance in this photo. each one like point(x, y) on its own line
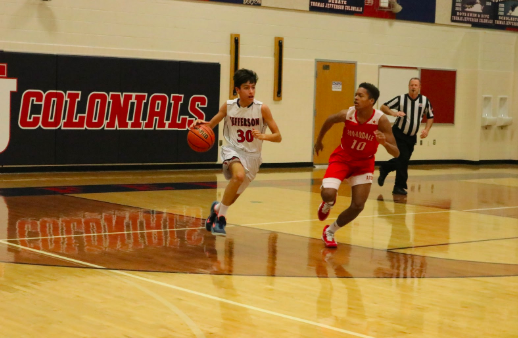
point(187, 320)
point(200, 294)
point(106, 233)
point(490, 208)
point(387, 215)
point(267, 223)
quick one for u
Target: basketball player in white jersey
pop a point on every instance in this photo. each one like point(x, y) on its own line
point(246, 120)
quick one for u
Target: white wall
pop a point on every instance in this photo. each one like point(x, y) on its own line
point(200, 31)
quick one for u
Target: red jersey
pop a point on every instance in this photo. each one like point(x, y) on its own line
point(359, 140)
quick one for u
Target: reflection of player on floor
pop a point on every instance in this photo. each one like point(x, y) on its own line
point(364, 129)
point(246, 120)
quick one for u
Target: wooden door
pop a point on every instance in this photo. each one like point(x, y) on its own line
point(335, 87)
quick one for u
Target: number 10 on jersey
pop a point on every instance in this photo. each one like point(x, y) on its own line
point(358, 145)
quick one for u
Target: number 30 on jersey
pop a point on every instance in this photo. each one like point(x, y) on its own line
point(247, 136)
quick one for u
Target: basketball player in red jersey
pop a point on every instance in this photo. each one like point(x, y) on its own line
point(365, 128)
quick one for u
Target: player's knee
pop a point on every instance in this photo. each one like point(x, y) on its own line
point(328, 195)
point(238, 177)
point(357, 206)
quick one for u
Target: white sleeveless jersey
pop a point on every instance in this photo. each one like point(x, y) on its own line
point(239, 123)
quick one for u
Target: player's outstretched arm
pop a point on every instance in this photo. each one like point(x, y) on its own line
point(330, 121)
point(215, 120)
point(385, 137)
point(275, 136)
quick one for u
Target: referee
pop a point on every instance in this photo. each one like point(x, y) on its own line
point(410, 110)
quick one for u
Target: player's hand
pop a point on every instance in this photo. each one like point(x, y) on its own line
point(197, 123)
point(318, 147)
point(424, 133)
point(258, 135)
point(400, 113)
point(380, 137)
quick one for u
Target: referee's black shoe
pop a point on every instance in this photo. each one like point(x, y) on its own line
point(382, 177)
point(399, 191)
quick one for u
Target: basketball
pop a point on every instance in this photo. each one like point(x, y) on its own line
point(201, 138)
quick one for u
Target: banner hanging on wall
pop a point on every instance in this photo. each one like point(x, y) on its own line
point(506, 12)
point(473, 12)
point(337, 6)
point(242, 2)
point(71, 109)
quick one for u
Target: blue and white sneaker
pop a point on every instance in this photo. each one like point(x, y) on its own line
point(212, 217)
point(218, 228)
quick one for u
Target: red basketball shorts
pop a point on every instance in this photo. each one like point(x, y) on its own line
point(342, 166)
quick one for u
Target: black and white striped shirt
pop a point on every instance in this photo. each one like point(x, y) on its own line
point(414, 110)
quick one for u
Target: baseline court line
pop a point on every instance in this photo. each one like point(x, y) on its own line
point(200, 294)
point(252, 224)
point(104, 234)
point(490, 208)
point(387, 215)
point(364, 216)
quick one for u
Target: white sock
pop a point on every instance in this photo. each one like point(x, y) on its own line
point(222, 210)
point(333, 228)
point(216, 208)
point(327, 206)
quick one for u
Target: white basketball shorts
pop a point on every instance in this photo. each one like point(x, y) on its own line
point(251, 163)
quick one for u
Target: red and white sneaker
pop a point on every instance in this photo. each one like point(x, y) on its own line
point(328, 238)
point(323, 211)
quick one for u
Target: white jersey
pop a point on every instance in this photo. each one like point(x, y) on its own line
point(239, 123)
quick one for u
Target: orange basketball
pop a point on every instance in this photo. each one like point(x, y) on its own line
point(201, 138)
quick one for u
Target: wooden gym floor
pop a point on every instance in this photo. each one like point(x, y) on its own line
point(126, 255)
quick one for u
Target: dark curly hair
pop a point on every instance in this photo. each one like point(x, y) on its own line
point(374, 92)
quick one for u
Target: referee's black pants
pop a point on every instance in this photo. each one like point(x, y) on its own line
point(406, 145)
